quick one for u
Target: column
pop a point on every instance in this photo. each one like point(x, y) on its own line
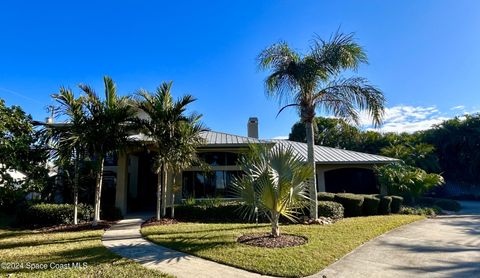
point(122, 183)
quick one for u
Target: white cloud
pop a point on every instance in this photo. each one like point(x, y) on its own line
point(458, 107)
point(281, 137)
point(406, 118)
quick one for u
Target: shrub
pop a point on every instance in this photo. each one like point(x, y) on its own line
point(226, 211)
point(330, 209)
point(385, 205)
point(370, 205)
point(325, 196)
point(396, 204)
point(428, 211)
point(43, 215)
point(446, 204)
point(351, 203)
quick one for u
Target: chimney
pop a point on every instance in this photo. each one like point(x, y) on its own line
point(252, 127)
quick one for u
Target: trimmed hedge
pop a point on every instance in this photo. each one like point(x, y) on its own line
point(385, 205)
point(203, 212)
point(396, 204)
point(445, 204)
point(330, 209)
point(325, 196)
point(370, 205)
point(351, 203)
point(44, 215)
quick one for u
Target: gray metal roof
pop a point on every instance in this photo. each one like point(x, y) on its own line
point(323, 155)
point(328, 155)
point(225, 139)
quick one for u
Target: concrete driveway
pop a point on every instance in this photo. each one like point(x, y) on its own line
point(446, 246)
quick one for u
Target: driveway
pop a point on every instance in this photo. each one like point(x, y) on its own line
point(446, 246)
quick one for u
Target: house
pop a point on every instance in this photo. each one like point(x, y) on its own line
point(135, 184)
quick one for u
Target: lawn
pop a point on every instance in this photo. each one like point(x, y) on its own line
point(30, 252)
point(326, 244)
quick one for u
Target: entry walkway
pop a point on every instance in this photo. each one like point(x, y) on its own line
point(446, 246)
point(124, 238)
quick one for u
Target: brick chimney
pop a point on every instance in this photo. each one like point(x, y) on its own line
point(252, 127)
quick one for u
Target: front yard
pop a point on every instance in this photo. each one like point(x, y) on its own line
point(27, 253)
point(326, 244)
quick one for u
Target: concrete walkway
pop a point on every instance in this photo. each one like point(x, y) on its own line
point(446, 246)
point(124, 238)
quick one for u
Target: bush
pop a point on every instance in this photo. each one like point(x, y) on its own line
point(325, 196)
point(44, 215)
point(396, 204)
point(370, 205)
point(428, 211)
point(351, 203)
point(385, 205)
point(111, 214)
point(444, 204)
point(208, 212)
point(330, 209)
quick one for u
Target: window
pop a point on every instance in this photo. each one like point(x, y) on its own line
point(197, 184)
point(219, 158)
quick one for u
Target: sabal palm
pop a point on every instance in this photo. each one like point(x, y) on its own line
point(70, 138)
point(311, 83)
point(275, 183)
point(176, 135)
point(107, 128)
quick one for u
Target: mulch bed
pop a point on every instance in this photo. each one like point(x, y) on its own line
point(266, 240)
point(101, 225)
point(154, 222)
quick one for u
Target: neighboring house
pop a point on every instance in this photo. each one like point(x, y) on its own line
point(135, 189)
point(16, 176)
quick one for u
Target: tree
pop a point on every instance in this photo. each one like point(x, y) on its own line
point(405, 180)
point(175, 134)
point(274, 184)
point(312, 83)
point(107, 128)
point(69, 138)
point(22, 149)
point(419, 155)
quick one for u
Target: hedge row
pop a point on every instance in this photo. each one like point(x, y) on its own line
point(445, 204)
point(330, 209)
point(359, 204)
point(44, 215)
point(214, 212)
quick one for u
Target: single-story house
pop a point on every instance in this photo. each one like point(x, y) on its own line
point(135, 182)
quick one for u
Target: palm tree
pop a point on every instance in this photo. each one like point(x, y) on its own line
point(69, 138)
point(175, 135)
point(275, 183)
point(107, 129)
point(311, 82)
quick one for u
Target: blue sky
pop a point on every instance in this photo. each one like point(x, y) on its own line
point(424, 55)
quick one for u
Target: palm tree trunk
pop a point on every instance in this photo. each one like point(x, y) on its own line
point(172, 203)
point(159, 193)
point(275, 225)
point(75, 190)
point(311, 161)
point(164, 192)
point(98, 191)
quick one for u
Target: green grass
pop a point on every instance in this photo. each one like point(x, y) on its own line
point(326, 244)
point(25, 247)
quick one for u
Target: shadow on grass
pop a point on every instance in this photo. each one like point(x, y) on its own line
point(47, 241)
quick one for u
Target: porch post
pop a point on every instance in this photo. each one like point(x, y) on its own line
point(122, 183)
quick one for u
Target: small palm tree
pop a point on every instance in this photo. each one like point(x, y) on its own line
point(175, 134)
point(107, 128)
point(274, 184)
point(311, 83)
point(70, 139)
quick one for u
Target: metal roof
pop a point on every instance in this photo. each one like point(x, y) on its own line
point(323, 155)
point(328, 155)
point(225, 139)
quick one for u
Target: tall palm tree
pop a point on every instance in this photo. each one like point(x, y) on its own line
point(107, 128)
point(275, 183)
point(70, 138)
point(175, 134)
point(311, 82)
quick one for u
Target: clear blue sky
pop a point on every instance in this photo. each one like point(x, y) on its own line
point(424, 55)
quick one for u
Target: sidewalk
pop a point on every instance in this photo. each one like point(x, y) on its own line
point(124, 238)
